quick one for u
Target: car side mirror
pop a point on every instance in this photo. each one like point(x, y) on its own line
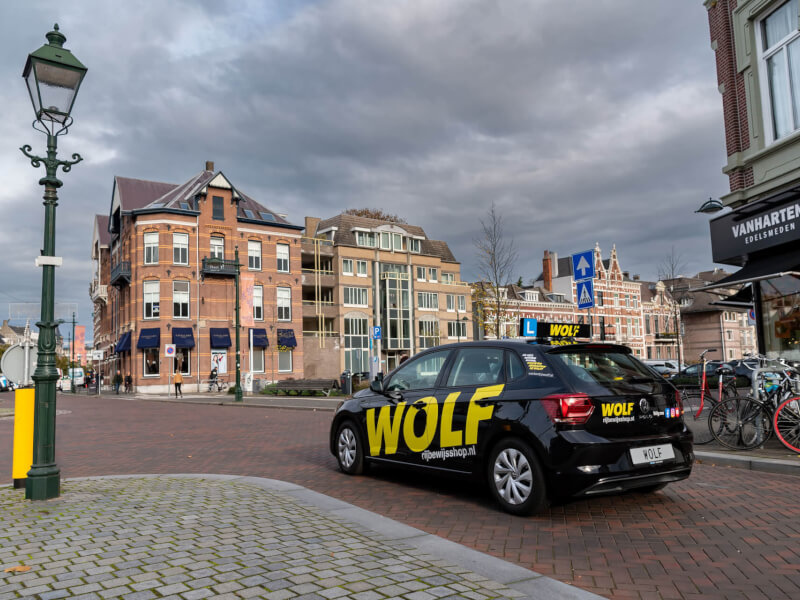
point(376, 386)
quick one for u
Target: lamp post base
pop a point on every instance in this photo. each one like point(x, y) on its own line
point(45, 485)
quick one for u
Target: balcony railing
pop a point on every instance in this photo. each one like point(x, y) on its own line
point(97, 291)
point(218, 266)
point(121, 274)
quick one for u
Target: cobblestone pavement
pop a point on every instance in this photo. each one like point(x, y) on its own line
point(190, 538)
point(723, 533)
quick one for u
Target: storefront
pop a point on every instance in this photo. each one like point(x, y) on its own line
point(763, 238)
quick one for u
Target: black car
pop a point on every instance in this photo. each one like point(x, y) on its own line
point(536, 422)
point(690, 376)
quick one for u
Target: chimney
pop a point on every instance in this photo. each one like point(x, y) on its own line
point(210, 165)
point(626, 274)
point(311, 226)
point(547, 271)
point(636, 278)
point(554, 265)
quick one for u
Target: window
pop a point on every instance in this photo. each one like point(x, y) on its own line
point(285, 361)
point(151, 248)
point(433, 274)
point(282, 251)
point(477, 366)
point(428, 301)
point(347, 266)
point(180, 248)
point(428, 333)
point(456, 329)
point(253, 255)
point(451, 303)
point(366, 239)
point(414, 245)
point(418, 374)
point(448, 277)
point(462, 303)
point(249, 213)
point(729, 334)
point(599, 298)
point(355, 296)
point(420, 273)
point(151, 299)
point(258, 359)
point(356, 344)
point(386, 241)
point(398, 242)
point(180, 299)
point(361, 268)
point(150, 362)
point(284, 302)
point(217, 247)
point(218, 211)
point(258, 302)
point(780, 75)
point(182, 361)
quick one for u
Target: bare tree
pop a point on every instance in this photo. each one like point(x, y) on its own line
point(496, 260)
point(375, 213)
point(669, 270)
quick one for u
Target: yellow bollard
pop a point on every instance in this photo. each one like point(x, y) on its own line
point(23, 436)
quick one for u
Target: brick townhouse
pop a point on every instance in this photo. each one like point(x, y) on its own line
point(755, 44)
point(165, 275)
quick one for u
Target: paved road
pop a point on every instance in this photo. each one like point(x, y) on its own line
point(724, 533)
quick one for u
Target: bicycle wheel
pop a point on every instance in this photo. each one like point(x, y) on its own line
point(695, 416)
point(740, 423)
point(787, 423)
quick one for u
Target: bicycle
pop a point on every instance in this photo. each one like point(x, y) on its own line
point(786, 423)
point(218, 383)
point(697, 403)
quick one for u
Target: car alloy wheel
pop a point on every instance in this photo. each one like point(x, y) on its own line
point(515, 477)
point(349, 449)
point(512, 476)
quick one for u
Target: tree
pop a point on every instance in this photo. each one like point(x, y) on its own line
point(496, 259)
point(669, 270)
point(375, 213)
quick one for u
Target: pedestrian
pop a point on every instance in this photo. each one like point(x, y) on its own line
point(117, 381)
point(178, 381)
point(128, 383)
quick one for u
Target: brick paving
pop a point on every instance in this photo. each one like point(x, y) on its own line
point(188, 539)
point(724, 533)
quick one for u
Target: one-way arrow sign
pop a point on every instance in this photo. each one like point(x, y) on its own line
point(583, 265)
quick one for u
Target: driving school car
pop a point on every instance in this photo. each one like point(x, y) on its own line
point(536, 422)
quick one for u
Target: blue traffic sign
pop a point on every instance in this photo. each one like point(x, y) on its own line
point(583, 265)
point(528, 327)
point(376, 333)
point(585, 293)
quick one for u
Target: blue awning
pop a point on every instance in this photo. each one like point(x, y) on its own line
point(149, 338)
point(183, 337)
point(260, 338)
point(124, 343)
point(286, 338)
point(220, 337)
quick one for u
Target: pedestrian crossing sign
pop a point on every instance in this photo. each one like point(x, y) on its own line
point(585, 292)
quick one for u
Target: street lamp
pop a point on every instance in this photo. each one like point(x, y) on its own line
point(53, 76)
point(710, 207)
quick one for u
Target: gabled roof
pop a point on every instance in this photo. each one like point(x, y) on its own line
point(137, 193)
point(101, 228)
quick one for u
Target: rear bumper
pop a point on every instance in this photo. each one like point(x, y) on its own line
point(608, 485)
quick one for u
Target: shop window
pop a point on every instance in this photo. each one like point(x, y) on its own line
point(150, 362)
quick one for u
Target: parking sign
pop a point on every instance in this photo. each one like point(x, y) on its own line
point(376, 332)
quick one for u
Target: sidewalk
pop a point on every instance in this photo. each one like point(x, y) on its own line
point(198, 536)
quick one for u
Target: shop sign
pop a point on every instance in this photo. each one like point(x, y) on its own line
point(753, 227)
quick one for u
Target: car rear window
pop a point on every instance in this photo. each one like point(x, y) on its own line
point(608, 369)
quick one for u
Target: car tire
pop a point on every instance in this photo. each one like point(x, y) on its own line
point(515, 477)
point(349, 448)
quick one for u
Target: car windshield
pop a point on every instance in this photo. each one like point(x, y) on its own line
point(609, 369)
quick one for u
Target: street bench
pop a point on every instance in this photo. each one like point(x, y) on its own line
point(307, 385)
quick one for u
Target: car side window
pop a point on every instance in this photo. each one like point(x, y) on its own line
point(477, 366)
point(692, 370)
point(420, 373)
point(516, 368)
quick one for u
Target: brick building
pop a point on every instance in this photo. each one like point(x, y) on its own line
point(359, 273)
point(755, 43)
point(166, 275)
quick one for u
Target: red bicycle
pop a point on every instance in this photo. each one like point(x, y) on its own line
point(698, 402)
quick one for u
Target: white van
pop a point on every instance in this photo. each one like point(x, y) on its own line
point(664, 366)
point(77, 373)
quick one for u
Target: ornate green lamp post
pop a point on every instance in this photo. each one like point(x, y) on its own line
point(238, 394)
point(53, 76)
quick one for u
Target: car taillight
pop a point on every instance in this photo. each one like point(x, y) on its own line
point(679, 403)
point(572, 409)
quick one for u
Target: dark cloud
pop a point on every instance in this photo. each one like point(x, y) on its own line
point(592, 121)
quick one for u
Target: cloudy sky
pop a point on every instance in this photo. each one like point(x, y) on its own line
point(588, 121)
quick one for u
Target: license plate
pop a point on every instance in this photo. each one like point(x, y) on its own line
point(652, 454)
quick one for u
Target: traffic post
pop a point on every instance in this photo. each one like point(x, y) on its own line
point(24, 403)
point(583, 272)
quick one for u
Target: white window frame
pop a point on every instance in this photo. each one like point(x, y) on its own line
point(365, 239)
point(462, 303)
point(180, 248)
point(428, 330)
point(258, 302)
point(359, 271)
point(285, 353)
point(347, 266)
point(256, 352)
point(433, 274)
point(157, 363)
point(451, 303)
point(397, 242)
point(421, 271)
point(177, 298)
point(414, 245)
point(151, 248)
point(448, 277)
point(355, 296)
point(386, 240)
point(428, 301)
point(154, 291)
point(282, 257)
point(216, 246)
point(283, 303)
point(253, 255)
point(453, 326)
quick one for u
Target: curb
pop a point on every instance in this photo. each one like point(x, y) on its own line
point(751, 463)
point(532, 585)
